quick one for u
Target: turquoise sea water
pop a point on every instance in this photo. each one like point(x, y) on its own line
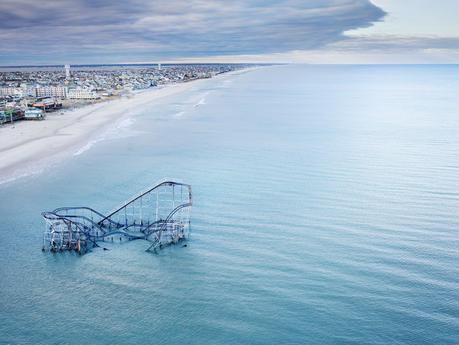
point(326, 204)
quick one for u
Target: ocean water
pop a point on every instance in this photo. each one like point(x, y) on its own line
point(326, 204)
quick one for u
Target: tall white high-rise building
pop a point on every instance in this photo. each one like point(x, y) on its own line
point(159, 67)
point(67, 71)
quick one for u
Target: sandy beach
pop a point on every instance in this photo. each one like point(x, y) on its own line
point(29, 146)
point(26, 145)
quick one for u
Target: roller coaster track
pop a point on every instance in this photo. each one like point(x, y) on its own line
point(163, 227)
point(160, 215)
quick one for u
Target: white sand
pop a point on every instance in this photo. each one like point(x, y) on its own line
point(28, 145)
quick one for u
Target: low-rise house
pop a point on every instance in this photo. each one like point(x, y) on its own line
point(82, 94)
point(34, 114)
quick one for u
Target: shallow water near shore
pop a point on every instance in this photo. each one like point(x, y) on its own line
point(325, 211)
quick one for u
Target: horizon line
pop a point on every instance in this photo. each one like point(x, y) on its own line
point(231, 63)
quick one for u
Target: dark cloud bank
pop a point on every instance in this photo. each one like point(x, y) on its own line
point(47, 31)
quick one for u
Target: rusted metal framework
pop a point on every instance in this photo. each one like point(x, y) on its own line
point(160, 215)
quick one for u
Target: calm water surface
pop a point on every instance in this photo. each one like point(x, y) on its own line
point(326, 204)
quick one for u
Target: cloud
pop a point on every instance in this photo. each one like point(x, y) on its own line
point(383, 49)
point(50, 31)
point(394, 43)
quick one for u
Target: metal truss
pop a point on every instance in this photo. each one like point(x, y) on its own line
point(160, 215)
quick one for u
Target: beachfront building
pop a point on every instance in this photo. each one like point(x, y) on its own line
point(4, 117)
point(51, 91)
point(34, 114)
point(82, 94)
point(11, 92)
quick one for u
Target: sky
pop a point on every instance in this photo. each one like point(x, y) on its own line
point(303, 31)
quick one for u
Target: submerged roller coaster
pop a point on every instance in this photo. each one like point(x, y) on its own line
point(160, 215)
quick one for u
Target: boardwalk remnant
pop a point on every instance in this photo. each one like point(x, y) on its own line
point(160, 215)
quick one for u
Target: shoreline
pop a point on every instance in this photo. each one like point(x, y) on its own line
point(26, 146)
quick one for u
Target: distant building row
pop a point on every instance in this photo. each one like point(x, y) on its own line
point(64, 92)
point(49, 91)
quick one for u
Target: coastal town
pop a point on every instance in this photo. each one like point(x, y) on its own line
point(32, 93)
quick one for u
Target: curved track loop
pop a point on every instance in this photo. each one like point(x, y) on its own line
point(160, 215)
